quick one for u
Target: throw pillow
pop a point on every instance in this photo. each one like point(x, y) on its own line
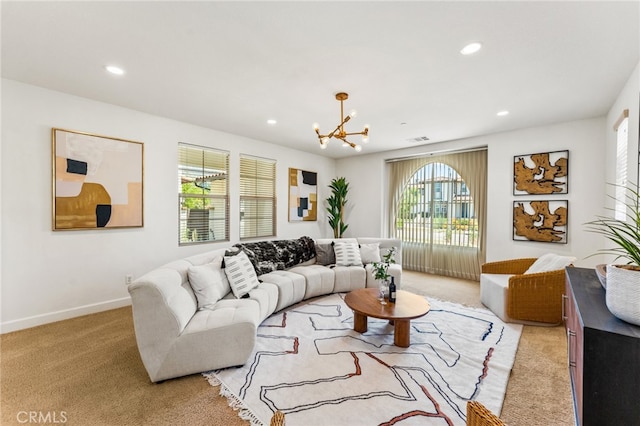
point(241, 274)
point(209, 283)
point(370, 253)
point(325, 254)
point(347, 254)
point(550, 262)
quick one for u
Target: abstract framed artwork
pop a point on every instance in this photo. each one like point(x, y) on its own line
point(541, 174)
point(543, 221)
point(303, 195)
point(97, 181)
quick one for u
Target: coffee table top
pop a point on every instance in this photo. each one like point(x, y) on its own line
point(407, 306)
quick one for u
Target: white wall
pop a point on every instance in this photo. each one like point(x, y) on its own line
point(48, 275)
point(585, 141)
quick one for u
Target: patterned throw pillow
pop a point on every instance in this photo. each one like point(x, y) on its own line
point(370, 253)
point(241, 274)
point(347, 254)
point(209, 283)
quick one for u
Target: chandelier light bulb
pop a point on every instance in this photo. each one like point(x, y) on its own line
point(316, 126)
point(324, 140)
point(353, 113)
point(323, 145)
point(358, 148)
point(365, 139)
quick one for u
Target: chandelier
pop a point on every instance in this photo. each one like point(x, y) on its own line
point(339, 132)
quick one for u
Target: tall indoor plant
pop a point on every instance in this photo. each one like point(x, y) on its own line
point(336, 202)
point(623, 281)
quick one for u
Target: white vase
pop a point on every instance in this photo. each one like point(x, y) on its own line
point(623, 293)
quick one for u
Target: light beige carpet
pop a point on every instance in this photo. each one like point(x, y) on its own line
point(89, 368)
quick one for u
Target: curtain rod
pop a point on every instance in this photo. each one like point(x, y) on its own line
point(444, 151)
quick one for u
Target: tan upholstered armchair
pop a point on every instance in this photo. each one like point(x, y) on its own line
point(513, 295)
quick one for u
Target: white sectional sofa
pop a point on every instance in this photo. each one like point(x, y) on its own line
point(188, 318)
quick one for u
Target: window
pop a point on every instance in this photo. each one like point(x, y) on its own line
point(622, 141)
point(203, 190)
point(257, 197)
point(436, 208)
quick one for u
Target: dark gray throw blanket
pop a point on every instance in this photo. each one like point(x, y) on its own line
point(269, 256)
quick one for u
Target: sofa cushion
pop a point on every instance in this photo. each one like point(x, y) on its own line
point(240, 273)
point(268, 256)
point(209, 283)
point(550, 262)
point(347, 254)
point(325, 254)
point(370, 253)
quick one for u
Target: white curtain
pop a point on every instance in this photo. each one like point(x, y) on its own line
point(451, 260)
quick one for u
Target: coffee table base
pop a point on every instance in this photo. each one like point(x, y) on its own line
point(401, 332)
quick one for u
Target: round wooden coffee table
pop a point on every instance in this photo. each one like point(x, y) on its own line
point(364, 303)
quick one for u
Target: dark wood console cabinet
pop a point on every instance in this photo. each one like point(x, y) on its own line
point(603, 355)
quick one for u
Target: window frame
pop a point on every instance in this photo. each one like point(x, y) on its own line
point(188, 169)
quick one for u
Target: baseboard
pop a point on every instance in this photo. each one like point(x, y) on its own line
point(21, 324)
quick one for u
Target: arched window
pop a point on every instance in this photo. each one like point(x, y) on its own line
point(436, 207)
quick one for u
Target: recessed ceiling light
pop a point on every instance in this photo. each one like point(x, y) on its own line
point(471, 48)
point(272, 122)
point(114, 69)
point(502, 113)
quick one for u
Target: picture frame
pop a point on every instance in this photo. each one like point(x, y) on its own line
point(541, 173)
point(97, 181)
point(303, 195)
point(541, 221)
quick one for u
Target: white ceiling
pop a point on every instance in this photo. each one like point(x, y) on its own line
point(232, 65)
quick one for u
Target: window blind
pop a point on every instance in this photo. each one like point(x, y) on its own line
point(203, 193)
point(257, 197)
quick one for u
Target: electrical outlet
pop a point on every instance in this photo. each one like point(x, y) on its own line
point(128, 279)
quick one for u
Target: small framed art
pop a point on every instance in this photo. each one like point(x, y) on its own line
point(303, 195)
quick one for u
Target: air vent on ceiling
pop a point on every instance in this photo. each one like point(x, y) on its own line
point(418, 139)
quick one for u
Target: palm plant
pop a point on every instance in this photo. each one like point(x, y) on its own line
point(337, 201)
point(624, 233)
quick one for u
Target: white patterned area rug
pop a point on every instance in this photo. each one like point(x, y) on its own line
point(309, 363)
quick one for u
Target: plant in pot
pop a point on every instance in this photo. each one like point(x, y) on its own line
point(381, 273)
point(622, 281)
point(337, 200)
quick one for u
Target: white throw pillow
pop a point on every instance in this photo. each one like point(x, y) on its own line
point(241, 274)
point(347, 254)
point(550, 262)
point(370, 253)
point(209, 283)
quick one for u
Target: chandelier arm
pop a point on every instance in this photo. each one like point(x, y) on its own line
point(344, 139)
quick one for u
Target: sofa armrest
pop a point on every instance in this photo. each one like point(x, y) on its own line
point(536, 297)
point(511, 267)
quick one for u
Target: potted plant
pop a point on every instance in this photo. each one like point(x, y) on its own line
point(382, 275)
point(381, 269)
point(622, 281)
point(337, 201)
